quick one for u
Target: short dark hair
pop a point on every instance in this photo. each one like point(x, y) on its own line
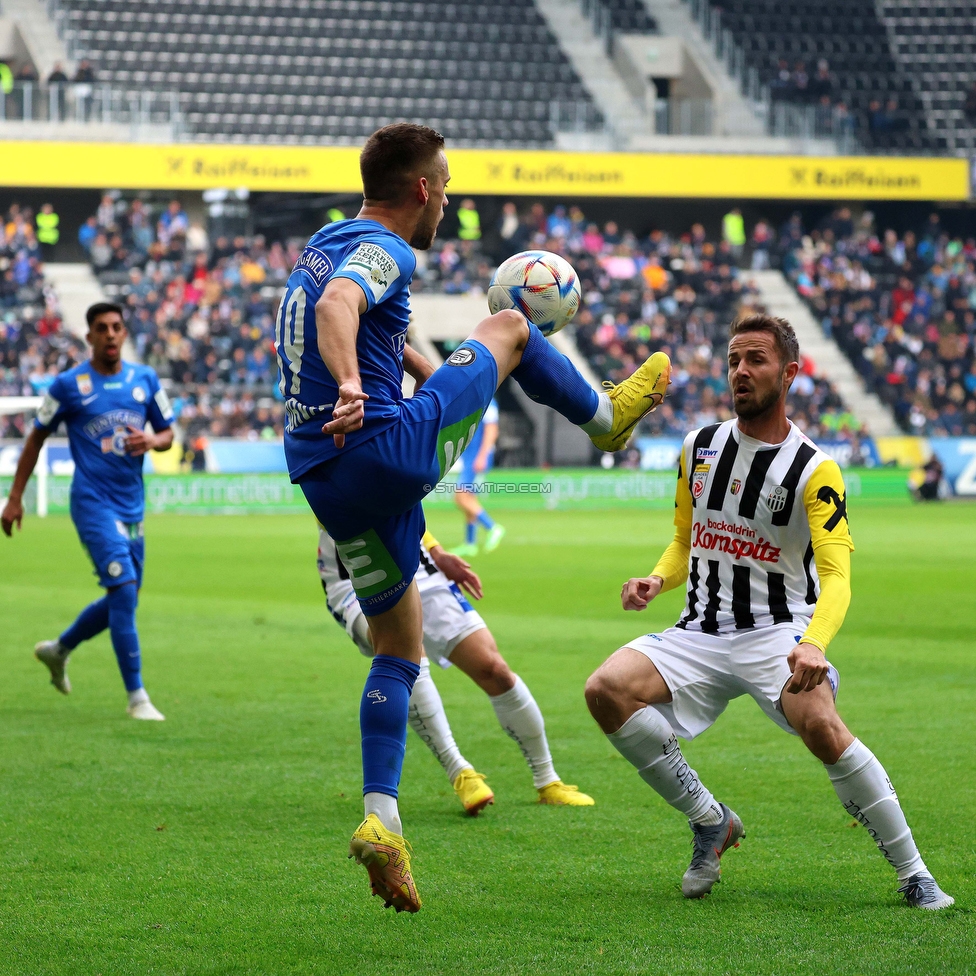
point(392, 155)
point(100, 308)
point(780, 329)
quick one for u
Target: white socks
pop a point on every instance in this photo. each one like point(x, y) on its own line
point(385, 807)
point(138, 696)
point(863, 787)
point(427, 718)
point(602, 420)
point(647, 741)
point(519, 716)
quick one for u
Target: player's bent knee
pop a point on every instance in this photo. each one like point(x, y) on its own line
point(506, 324)
point(602, 693)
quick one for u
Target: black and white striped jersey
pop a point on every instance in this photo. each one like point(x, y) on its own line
point(756, 512)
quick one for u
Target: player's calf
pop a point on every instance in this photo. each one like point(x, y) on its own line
point(479, 658)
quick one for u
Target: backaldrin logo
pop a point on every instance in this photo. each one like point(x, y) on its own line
point(736, 547)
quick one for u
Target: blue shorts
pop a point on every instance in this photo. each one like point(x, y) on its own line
point(369, 498)
point(117, 549)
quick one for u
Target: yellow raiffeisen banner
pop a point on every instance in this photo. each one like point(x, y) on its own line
point(189, 166)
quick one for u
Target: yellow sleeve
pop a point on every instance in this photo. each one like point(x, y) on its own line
point(825, 500)
point(683, 514)
point(672, 567)
point(833, 561)
point(429, 541)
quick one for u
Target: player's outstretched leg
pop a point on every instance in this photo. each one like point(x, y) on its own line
point(546, 375)
point(621, 695)
point(54, 653)
point(429, 720)
point(864, 789)
point(518, 714)
point(122, 601)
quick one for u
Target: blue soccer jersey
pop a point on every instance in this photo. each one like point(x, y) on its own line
point(98, 412)
point(381, 263)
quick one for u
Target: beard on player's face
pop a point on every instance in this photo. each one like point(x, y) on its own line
point(426, 229)
point(750, 403)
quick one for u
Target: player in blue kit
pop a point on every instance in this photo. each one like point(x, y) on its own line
point(365, 457)
point(477, 460)
point(105, 403)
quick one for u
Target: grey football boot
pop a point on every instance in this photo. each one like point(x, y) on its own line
point(55, 657)
point(922, 891)
point(710, 843)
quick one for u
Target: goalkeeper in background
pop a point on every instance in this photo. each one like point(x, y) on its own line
point(105, 404)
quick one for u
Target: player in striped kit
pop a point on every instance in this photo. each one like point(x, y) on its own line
point(455, 633)
point(762, 539)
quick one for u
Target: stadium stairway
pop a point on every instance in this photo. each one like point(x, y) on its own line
point(451, 318)
point(40, 34)
point(588, 55)
point(733, 114)
point(78, 288)
point(779, 298)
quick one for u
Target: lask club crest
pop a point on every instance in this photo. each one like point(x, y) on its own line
point(777, 499)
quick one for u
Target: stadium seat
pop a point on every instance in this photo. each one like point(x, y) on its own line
point(343, 50)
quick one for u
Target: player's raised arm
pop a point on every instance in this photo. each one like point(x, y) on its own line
point(337, 323)
point(672, 568)
point(13, 511)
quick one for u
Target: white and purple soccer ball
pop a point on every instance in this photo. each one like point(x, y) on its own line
point(541, 285)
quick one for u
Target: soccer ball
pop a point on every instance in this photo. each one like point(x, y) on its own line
point(539, 284)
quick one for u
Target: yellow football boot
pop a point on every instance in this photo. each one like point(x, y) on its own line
point(559, 794)
point(639, 394)
point(387, 862)
point(473, 792)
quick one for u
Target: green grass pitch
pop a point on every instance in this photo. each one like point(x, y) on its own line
point(215, 843)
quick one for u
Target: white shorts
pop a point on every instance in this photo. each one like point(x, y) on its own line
point(448, 620)
point(704, 672)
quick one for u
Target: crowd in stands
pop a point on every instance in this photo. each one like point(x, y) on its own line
point(675, 293)
point(33, 346)
point(201, 313)
point(902, 307)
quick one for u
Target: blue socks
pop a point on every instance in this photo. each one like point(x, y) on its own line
point(470, 532)
point(485, 520)
point(548, 376)
point(90, 623)
point(125, 641)
point(383, 721)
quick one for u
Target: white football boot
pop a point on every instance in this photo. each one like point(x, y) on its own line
point(142, 708)
point(55, 657)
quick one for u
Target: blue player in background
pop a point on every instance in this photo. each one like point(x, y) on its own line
point(105, 404)
point(365, 457)
point(477, 461)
